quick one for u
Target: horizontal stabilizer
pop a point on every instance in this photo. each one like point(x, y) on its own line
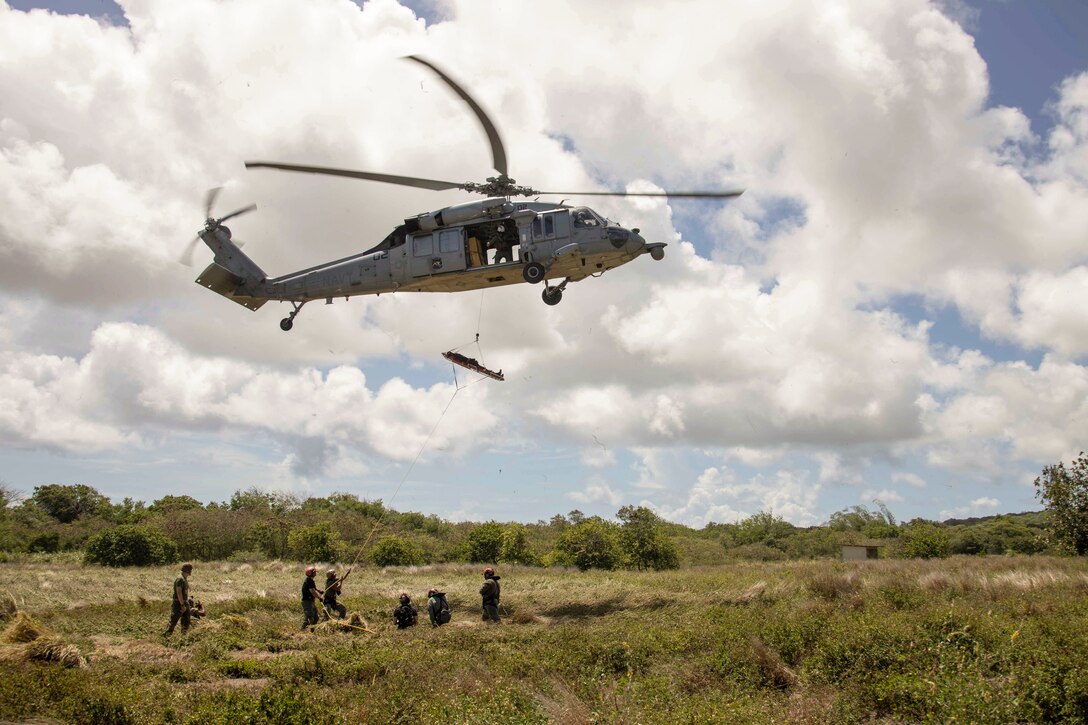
point(221, 280)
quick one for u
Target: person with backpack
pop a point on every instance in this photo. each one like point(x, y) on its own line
point(405, 615)
point(332, 591)
point(490, 594)
point(437, 607)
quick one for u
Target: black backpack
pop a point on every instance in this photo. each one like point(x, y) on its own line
point(443, 610)
point(404, 615)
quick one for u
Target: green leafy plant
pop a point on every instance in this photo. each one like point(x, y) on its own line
point(130, 546)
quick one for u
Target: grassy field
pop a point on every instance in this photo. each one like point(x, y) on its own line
point(966, 639)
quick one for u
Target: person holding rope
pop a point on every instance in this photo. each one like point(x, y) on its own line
point(332, 591)
point(310, 593)
point(490, 594)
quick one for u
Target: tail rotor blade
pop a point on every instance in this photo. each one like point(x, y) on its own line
point(209, 201)
point(186, 257)
point(238, 212)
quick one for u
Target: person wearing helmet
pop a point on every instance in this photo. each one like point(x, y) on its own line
point(438, 609)
point(406, 614)
point(310, 593)
point(180, 610)
point(332, 591)
point(490, 593)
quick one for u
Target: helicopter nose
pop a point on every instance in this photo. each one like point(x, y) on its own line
point(636, 241)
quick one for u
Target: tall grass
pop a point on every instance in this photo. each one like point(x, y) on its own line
point(979, 639)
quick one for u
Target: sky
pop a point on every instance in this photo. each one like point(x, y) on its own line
point(893, 311)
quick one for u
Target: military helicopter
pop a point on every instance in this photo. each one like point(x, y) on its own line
point(478, 244)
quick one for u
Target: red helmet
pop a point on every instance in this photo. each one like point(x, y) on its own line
point(489, 572)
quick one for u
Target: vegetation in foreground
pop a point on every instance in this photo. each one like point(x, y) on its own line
point(979, 639)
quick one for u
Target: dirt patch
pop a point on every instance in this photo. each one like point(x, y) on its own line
point(232, 683)
point(136, 650)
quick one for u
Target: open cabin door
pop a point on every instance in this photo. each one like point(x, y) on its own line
point(438, 252)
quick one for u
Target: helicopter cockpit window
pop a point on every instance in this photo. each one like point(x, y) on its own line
point(422, 245)
point(584, 218)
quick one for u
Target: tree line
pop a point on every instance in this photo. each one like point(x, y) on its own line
point(257, 525)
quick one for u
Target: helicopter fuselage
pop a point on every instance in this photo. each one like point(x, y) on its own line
point(488, 243)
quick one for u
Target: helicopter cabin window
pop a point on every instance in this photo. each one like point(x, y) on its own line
point(546, 226)
point(586, 219)
point(422, 245)
point(449, 241)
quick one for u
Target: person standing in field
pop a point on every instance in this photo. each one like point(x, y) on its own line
point(179, 602)
point(332, 591)
point(438, 609)
point(490, 594)
point(310, 593)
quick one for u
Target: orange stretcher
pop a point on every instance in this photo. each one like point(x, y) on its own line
point(472, 364)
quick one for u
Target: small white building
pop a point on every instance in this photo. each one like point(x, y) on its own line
point(860, 552)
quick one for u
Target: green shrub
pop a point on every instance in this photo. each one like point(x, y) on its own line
point(130, 546)
point(314, 543)
point(44, 543)
point(922, 540)
point(591, 544)
point(484, 543)
point(515, 546)
point(392, 550)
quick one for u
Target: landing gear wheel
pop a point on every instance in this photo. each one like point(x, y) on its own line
point(552, 295)
point(286, 324)
point(534, 272)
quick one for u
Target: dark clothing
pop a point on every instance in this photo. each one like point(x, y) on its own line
point(332, 590)
point(438, 609)
point(490, 592)
point(405, 616)
point(340, 609)
point(183, 584)
point(179, 612)
point(309, 613)
point(309, 602)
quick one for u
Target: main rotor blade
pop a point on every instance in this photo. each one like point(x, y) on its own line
point(243, 210)
point(209, 200)
point(432, 184)
point(498, 153)
point(673, 194)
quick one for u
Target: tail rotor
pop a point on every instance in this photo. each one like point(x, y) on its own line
point(211, 224)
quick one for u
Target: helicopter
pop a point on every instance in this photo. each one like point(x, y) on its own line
point(493, 242)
